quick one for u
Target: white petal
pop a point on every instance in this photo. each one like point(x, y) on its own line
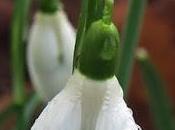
point(49, 34)
point(114, 114)
point(87, 104)
point(63, 112)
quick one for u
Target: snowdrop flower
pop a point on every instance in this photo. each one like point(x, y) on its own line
point(50, 52)
point(92, 98)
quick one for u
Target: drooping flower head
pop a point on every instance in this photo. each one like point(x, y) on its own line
point(92, 98)
point(50, 49)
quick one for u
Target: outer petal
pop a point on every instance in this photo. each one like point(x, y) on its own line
point(64, 111)
point(87, 104)
point(114, 114)
point(51, 37)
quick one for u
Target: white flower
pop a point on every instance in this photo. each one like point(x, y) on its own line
point(50, 52)
point(86, 104)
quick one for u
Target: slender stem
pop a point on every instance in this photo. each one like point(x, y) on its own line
point(91, 10)
point(95, 11)
point(159, 100)
point(107, 16)
point(99, 9)
point(81, 31)
point(130, 40)
point(17, 49)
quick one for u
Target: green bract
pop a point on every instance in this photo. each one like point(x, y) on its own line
point(99, 51)
point(49, 6)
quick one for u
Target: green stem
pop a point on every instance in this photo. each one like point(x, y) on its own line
point(107, 16)
point(17, 49)
point(81, 31)
point(159, 101)
point(91, 10)
point(95, 11)
point(130, 41)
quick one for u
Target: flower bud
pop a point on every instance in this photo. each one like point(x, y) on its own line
point(50, 53)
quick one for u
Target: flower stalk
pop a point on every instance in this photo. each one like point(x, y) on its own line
point(91, 10)
point(17, 49)
point(159, 100)
point(81, 31)
point(107, 13)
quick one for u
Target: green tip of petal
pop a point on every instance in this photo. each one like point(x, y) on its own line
point(99, 52)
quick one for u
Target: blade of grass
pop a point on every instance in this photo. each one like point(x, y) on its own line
point(159, 101)
point(17, 49)
point(129, 41)
point(18, 28)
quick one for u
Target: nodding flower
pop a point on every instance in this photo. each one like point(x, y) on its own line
point(93, 97)
point(50, 52)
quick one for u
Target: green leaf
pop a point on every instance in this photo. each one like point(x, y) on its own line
point(129, 41)
point(18, 29)
point(159, 101)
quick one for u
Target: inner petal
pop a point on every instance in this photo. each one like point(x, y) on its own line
point(91, 102)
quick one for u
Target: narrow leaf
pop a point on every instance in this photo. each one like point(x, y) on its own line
point(159, 101)
point(17, 49)
point(129, 41)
